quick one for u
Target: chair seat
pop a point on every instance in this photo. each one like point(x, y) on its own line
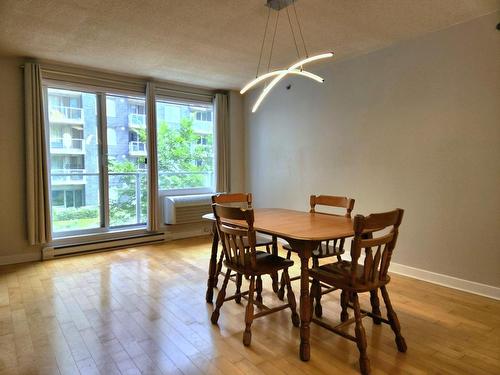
point(338, 275)
point(322, 251)
point(265, 264)
point(261, 240)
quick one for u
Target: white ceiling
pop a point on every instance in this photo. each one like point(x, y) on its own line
point(213, 43)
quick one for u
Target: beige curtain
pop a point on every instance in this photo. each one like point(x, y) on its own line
point(153, 215)
point(222, 141)
point(37, 183)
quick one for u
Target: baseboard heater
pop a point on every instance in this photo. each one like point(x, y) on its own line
point(57, 251)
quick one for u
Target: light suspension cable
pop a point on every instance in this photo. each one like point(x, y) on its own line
point(295, 69)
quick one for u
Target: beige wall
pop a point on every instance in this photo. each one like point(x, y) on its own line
point(237, 142)
point(415, 126)
point(13, 243)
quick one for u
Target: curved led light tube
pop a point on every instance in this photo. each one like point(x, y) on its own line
point(284, 73)
point(277, 72)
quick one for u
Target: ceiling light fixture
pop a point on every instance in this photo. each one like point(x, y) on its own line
point(295, 69)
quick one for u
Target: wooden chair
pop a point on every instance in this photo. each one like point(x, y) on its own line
point(353, 278)
point(326, 248)
point(247, 261)
point(244, 200)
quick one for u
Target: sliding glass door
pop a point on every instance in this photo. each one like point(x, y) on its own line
point(97, 161)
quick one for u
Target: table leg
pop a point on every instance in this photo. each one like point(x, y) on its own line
point(305, 309)
point(212, 267)
point(304, 250)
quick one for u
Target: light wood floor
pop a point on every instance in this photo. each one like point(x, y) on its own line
point(142, 311)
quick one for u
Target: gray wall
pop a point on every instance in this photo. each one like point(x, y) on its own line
point(415, 126)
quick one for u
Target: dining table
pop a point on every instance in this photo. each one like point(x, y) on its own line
point(303, 231)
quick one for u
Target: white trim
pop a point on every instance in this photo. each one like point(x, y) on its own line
point(447, 281)
point(20, 258)
point(440, 279)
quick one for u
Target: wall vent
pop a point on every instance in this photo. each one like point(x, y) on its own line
point(186, 209)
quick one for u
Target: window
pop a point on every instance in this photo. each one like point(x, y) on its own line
point(74, 161)
point(127, 177)
point(87, 195)
point(185, 147)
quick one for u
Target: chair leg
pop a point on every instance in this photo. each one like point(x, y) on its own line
point(258, 288)
point(375, 305)
point(318, 309)
point(247, 336)
point(364, 362)
point(220, 298)
point(315, 295)
point(239, 279)
point(290, 296)
point(281, 291)
point(274, 278)
point(344, 302)
point(394, 321)
point(219, 268)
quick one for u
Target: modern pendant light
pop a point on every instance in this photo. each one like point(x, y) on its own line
point(296, 68)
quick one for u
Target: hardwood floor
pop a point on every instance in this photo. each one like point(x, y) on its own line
point(142, 311)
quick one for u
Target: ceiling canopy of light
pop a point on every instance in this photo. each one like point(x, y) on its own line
point(296, 68)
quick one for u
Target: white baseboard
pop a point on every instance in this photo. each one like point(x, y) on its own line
point(20, 258)
point(440, 279)
point(447, 281)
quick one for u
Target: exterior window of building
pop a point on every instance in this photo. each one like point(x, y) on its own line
point(185, 147)
point(203, 115)
point(110, 107)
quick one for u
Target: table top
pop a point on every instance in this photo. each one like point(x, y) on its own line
point(299, 225)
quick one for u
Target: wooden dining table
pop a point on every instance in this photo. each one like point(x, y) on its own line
point(303, 231)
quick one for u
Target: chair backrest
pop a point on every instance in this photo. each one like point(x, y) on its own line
point(228, 198)
point(332, 201)
point(233, 237)
point(365, 240)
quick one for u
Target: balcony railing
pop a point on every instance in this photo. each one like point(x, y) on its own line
point(65, 114)
point(136, 148)
point(136, 120)
point(68, 176)
point(67, 145)
point(128, 190)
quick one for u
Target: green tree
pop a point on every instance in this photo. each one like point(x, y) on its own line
point(123, 199)
point(184, 158)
